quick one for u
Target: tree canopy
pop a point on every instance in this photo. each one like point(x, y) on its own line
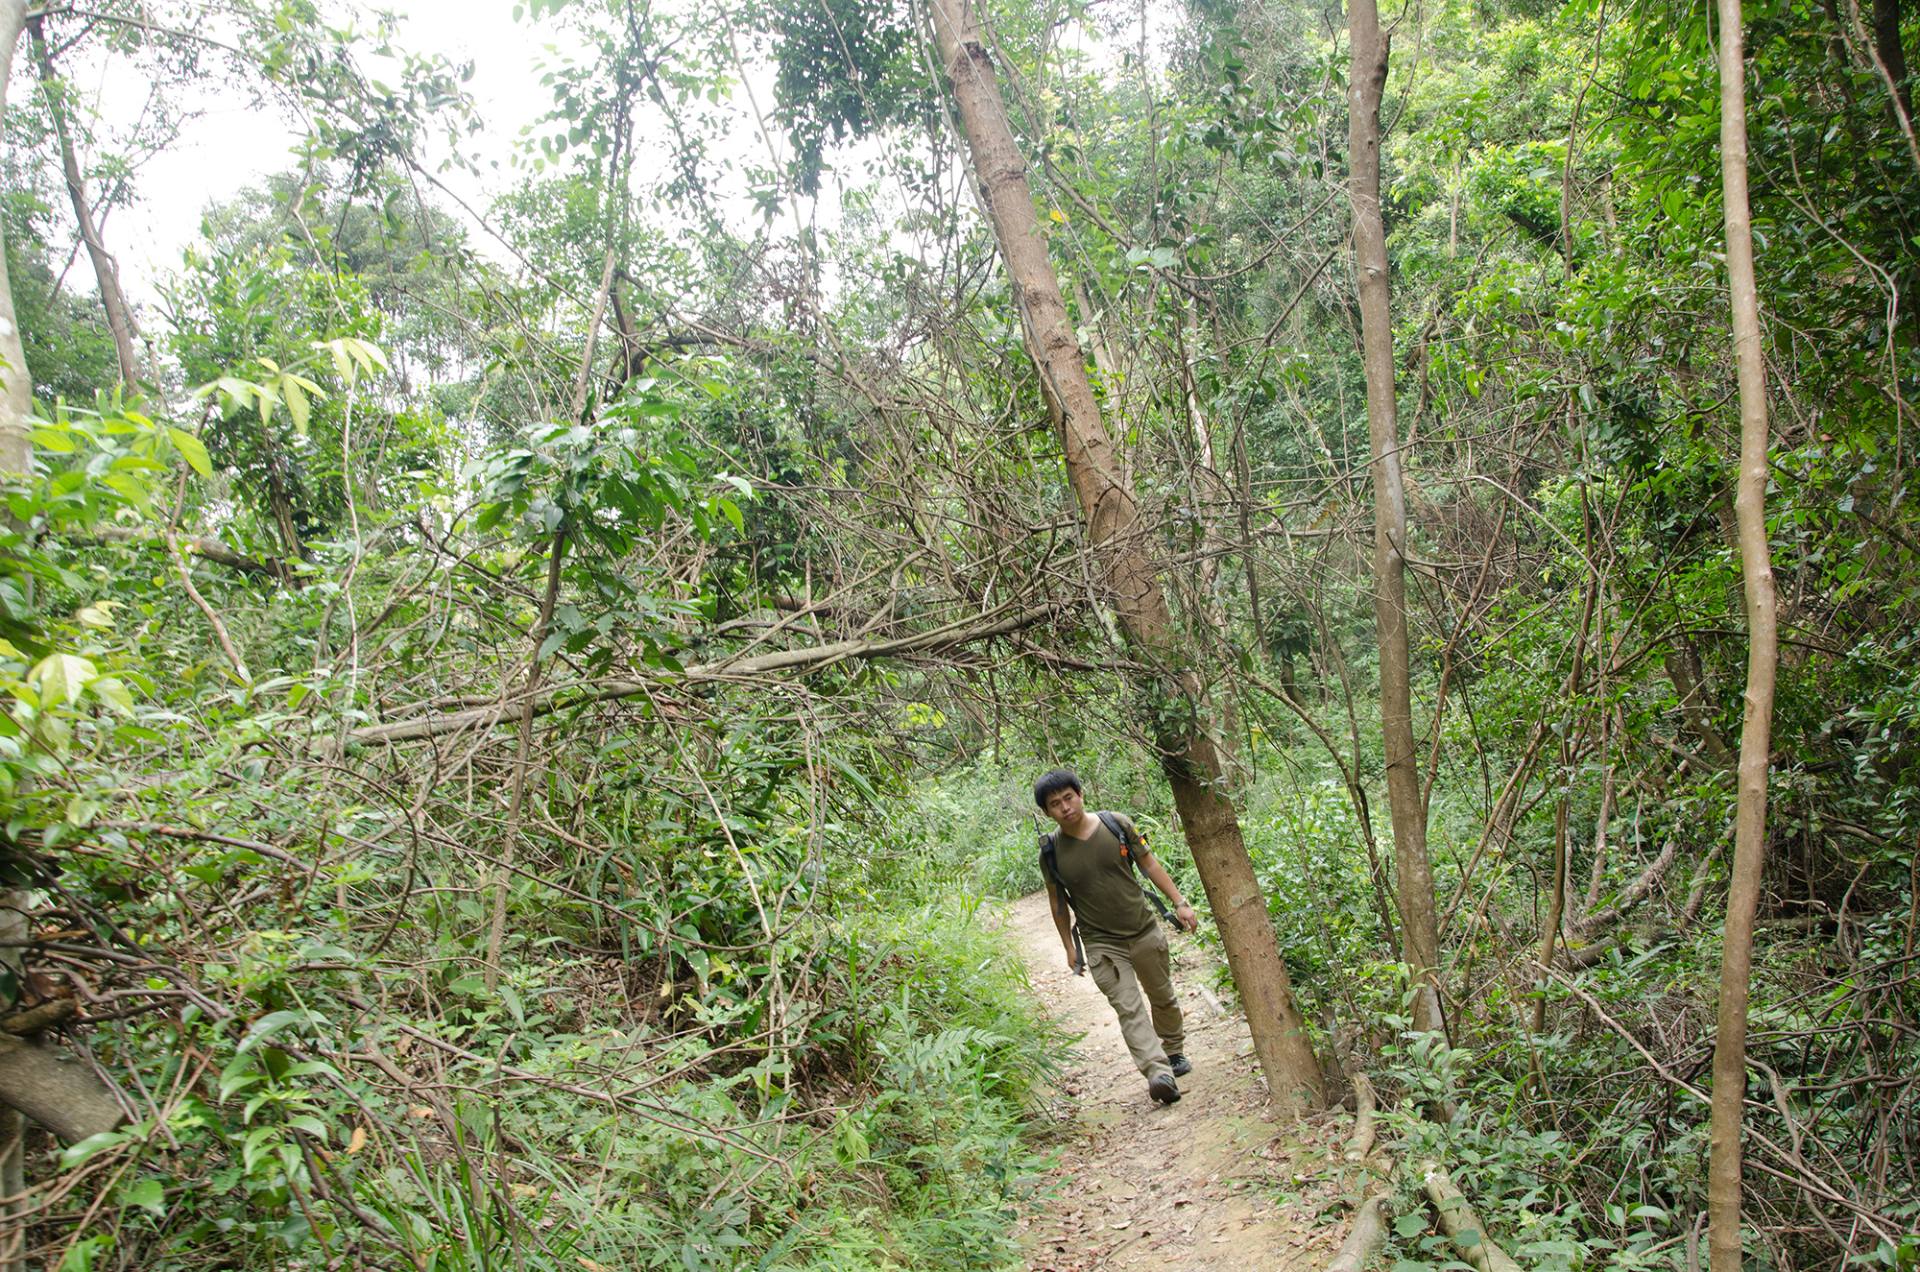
point(518, 703)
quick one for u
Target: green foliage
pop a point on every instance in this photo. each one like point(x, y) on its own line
point(846, 69)
point(69, 349)
point(743, 1010)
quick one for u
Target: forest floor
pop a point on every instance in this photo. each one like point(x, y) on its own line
point(1213, 1181)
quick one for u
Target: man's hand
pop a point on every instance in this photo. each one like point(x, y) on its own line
point(1183, 915)
point(1073, 964)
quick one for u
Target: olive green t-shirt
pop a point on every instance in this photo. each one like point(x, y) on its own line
point(1105, 890)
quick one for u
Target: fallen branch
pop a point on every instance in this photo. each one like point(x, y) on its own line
point(1369, 1231)
point(60, 1095)
point(1462, 1226)
point(1635, 892)
point(1369, 1234)
point(24, 1024)
point(806, 659)
point(1360, 1143)
point(199, 545)
point(1579, 958)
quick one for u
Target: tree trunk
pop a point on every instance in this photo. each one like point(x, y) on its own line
point(1419, 924)
point(1756, 573)
point(1192, 767)
point(112, 299)
point(522, 758)
point(60, 1094)
point(1893, 54)
point(1683, 669)
point(16, 404)
point(16, 456)
point(280, 500)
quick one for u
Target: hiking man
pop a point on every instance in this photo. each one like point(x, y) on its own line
point(1099, 905)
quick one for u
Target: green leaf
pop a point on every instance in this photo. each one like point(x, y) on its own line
point(1409, 1225)
point(80, 1255)
point(90, 1147)
point(59, 678)
point(272, 1023)
point(113, 691)
point(515, 1007)
point(150, 1194)
point(193, 451)
point(311, 1125)
point(136, 493)
point(297, 406)
point(239, 1074)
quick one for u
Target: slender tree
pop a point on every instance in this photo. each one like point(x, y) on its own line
point(106, 270)
point(1756, 573)
point(1189, 758)
point(1419, 926)
point(16, 404)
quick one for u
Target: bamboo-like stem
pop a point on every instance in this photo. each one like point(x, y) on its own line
point(213, 616)
point(522, 757)
point(120, 321)
point(1419, 921)
point(1756, 574)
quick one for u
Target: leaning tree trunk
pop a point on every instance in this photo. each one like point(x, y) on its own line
point(1893, 54)
point(35, 1082)
point(1756, 573)
point(16, 405)
point(119, 315)
point(1419, 926)
point(1113, 527)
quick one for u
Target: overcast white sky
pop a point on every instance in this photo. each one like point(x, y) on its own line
point(232, 146)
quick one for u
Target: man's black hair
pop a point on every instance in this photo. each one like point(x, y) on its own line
point(1051, 784)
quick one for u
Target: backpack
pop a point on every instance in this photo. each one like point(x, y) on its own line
point(1050, 867)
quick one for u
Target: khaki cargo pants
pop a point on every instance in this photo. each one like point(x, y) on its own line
point(1136, 978)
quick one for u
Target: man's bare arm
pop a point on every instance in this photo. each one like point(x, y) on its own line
point(1182, 912)
point(1063, 923)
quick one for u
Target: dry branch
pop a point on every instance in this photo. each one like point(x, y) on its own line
point(1636, 892)
point(1368, 1235)
point(61, 1095)
point(806, 659)
point(1462, 1226)
point(199, 545)
point(33, 1020)
point(1360, 1143)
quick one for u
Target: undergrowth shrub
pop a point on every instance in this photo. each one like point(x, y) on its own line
point(983, 818)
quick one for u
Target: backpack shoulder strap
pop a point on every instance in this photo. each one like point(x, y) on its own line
point(1114, 827)
point(1129, 842)
point(1050, 867)
point(1050, 863)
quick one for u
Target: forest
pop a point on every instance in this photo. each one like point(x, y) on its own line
point(527, 645)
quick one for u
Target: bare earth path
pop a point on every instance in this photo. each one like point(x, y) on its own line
point(1211, 1182)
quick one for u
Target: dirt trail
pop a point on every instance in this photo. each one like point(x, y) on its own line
point(1213, 1181)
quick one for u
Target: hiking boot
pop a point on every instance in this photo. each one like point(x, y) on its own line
point(1180, 1065)
point(1164, 1089)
